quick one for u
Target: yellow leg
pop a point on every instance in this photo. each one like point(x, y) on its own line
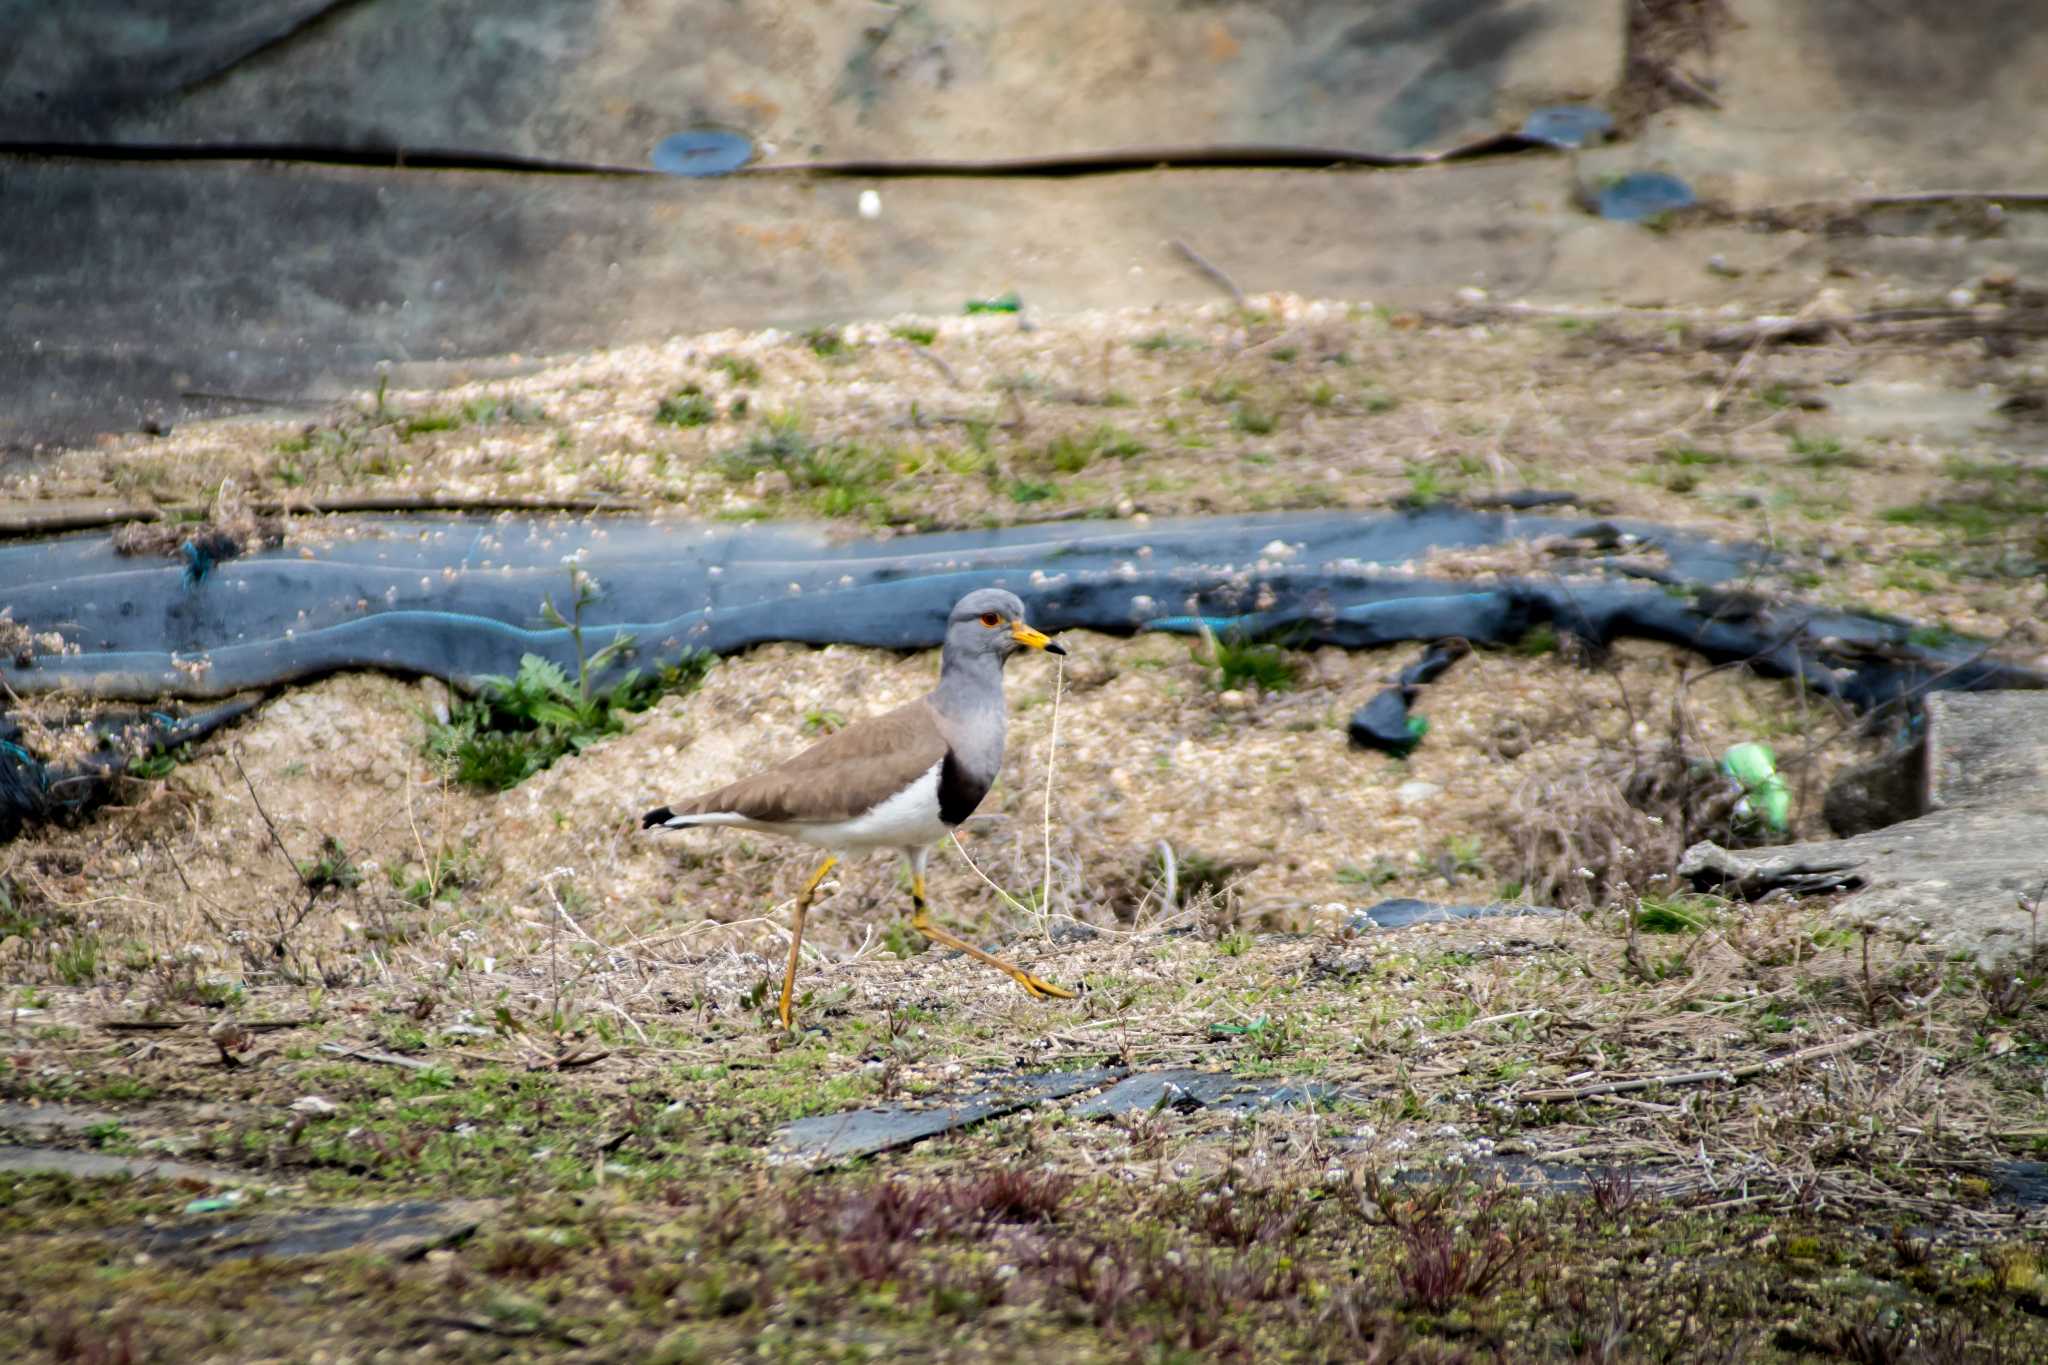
point(921, 921)
point(796, 934)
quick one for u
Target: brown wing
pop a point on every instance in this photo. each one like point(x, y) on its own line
point(841, 776)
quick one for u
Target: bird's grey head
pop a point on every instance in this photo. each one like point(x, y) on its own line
point(990, 621)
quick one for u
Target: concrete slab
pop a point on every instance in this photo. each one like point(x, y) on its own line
point(1954, 877)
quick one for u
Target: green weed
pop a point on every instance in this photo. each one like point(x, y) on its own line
point(521, 725)
point(688, 406)
point(1251, 421)
point(1234, 663)
point(738, 368)
point(426, 422)
point(1377, 873)
point(160, 763)
point(1073, 452)
point(826, 342)
point(1676, 914)
point(1824, 452)
point(1687, 456)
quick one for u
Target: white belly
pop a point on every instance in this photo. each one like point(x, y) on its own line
point(909, 819)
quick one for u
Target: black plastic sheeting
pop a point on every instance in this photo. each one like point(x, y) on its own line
point(460, 598)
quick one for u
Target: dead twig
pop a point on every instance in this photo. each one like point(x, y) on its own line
point(930, 358)
point(1209, 268)
point(379, 1058)
point(1734, 1073)
point(167, 1025)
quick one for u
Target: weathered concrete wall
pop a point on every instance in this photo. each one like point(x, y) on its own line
point(130, 284)
point(605, 81)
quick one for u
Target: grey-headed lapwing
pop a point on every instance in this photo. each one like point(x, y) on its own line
point(901, 780)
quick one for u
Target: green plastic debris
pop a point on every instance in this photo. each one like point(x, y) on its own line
point(216, 1204)
point(1756, 768)
point(1002, 303)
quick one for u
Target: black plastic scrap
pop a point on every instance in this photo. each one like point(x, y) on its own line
point(1186, 1089)
point(831, 1138)
point(31, 790)
point(1384, 723)
point(884, 1128)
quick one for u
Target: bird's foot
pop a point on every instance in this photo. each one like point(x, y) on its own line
point(1039, 987)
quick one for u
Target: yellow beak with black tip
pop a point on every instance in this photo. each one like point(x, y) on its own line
point(1037, 639)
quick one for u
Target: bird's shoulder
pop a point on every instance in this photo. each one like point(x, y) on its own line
point(907, 739)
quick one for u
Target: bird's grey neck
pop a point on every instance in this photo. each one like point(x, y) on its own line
point(970, 686)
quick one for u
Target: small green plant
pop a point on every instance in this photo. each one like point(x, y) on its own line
point(842, 478)
point(1377, 873)
point(916, 334)
point(738, 368)
point(821, 720)
point(1824, 452)
point(106, 1133)
point(160, 763)
point(450, 871)
point(1234, 944)
point(1073, 452)
point(1675, 914)
point(489, 411)
point(1687, 456)
point(1165, 341)
point(1251, 421)
point(1030, 490)
point(688, 406)
point(1537, 641)
point(1235, 663)
point(780, 444)
point(1932, 637)
point(333, 870)
point(76, 959)
point(1458, 856)
point(521, 725)
point(422, 423)
point(16, 919)
point(825, 341)
point(1426, 486)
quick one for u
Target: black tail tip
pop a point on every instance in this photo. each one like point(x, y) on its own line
point(660, 815)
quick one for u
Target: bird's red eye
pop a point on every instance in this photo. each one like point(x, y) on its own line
point(991, 620)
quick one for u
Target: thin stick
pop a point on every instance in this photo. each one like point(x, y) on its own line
point(275, 838)
point(1008, 899)
point(1209, 268)
point(1853, 1041)
point(1052, 755)
point(929, 357)
point(1169, 894)
point(380, 1058)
